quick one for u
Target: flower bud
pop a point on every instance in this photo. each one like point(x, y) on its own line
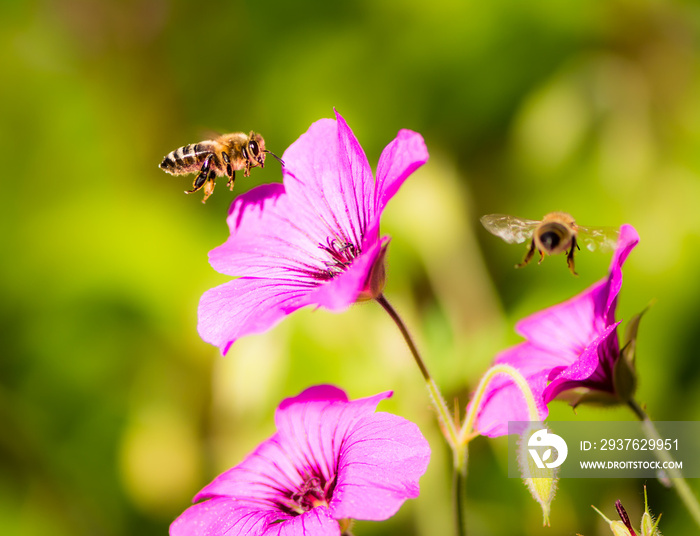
point(618, 529)
point(624, 527)
point(647, 525)
point(542, 482)
point(649, 528)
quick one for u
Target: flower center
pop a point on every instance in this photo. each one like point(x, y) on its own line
point(312, 493)
point(341, 256)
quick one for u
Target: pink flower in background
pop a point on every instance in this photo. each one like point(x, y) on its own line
point(572, 345)
point(330, 461)
point(313, 240)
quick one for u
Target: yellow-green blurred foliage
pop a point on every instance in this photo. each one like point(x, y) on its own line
point(113, 413)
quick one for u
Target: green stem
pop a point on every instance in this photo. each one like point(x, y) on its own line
point(459, 488)
point(675, 476)
point(448, 425)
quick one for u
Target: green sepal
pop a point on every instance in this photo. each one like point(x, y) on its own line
point(625, 371)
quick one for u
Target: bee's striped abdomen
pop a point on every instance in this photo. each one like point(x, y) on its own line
point(187, 159)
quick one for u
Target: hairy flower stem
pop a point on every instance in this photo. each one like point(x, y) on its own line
point(675, 477)
point(449, 428)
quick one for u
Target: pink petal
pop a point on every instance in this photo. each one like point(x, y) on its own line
point(260, 480)
point(583, 368)
point(356, 180)
point(327, 174)
point(381, 461)
point(269, 238)
point(528, 358)
point(315, 522)
point(317, 393)
point(246, 306)
point(223, 516)
point(406, 153)
point(318, 398)
point(627, 242)
point(220, 516)
point(313, 432)
point(567, 328)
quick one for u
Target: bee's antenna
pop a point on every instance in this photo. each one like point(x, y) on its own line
point(277, 157)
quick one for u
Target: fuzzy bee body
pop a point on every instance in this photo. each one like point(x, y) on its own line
point(217, 158)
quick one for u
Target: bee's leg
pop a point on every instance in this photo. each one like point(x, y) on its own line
point(230, 172)
point(231, 180)
point(203, 175)
point(570, 256)
point(528, 255)
point(209, 185)
point(246, 169)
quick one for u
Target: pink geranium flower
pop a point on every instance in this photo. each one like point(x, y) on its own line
point(572, 345)
point(330, 461)
point(313, 240)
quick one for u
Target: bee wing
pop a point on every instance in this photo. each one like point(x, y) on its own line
point(207, 133)
point(598, 238)
point(511, 229)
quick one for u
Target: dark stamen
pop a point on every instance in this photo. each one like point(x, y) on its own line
point(314, 491)
point(342, 255)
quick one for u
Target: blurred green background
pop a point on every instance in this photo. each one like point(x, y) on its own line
point(113, 413)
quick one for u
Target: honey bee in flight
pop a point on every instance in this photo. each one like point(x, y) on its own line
point(216, 158)
point(556, 233)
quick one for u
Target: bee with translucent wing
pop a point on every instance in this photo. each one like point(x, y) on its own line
point(556, 233)
point(220, 157)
